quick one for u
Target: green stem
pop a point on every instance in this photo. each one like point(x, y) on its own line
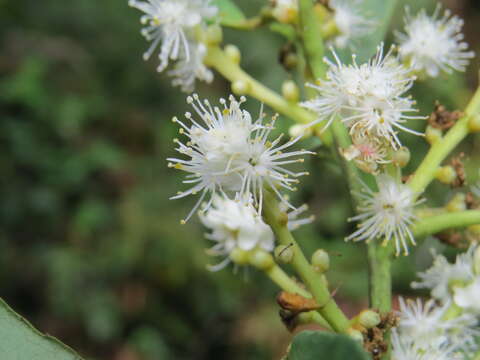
point(437, 223)
point(329, 310)
point(279, 277)
point(425, 173)
point(217, 59)
point(380, 281)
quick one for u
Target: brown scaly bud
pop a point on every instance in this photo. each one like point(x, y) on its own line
point(459, 168)
point(443, 119)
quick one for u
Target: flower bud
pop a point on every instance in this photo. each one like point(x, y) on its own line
point(261, 259)
point(284, 254)
point(290, 91)
point(233, 53)
point(457, 203)
point(355, 335)
point(369, 318)
point(240, 87)
point(320, 261)
point(476, 260)
point(446, 174)
point(401, 157)
point(433, 134)
point(239, 256)
point(474, 123)
point(214, 35)
point(299, 130)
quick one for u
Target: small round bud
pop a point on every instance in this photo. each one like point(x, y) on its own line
point(369, 319)
point(355, 335)
point(284, 254)
point(240, 87)
point(401, 157)
point(433, 135)
point(474, 123)
point(239, 256)
point(290, 61)
point(299, 130)
point(457, 203)
point(233, 53)
point(320, 261)
point(214, 35)
point(261, 259)
point(476, 261)
point(290, 91)
point(446, 174)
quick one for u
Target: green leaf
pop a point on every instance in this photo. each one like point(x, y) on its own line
point(19, 340)
point(314, 345)
point(230, 14)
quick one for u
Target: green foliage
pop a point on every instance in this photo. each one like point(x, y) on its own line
point(314, 345)
point(20, 340)
point(230, 13)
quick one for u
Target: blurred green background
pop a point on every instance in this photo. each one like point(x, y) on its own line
point(91, 249)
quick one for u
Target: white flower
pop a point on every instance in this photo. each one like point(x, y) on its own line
point(434, 44)
point(186, 72)
point(427, 327)
point(228, 152)
point(235, 224)
point(404, 347)
point(386, 214)
point(367, 98)
point(468, 297)
point(167, 22)
point(443, 275)
point(285, 11)
point(349, 21)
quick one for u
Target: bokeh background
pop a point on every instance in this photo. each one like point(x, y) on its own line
point(91, 249)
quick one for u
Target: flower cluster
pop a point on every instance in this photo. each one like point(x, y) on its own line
point(368, 98)
point(457, 283)
point(173, 25)
point(386, 214)
point(432, 44)
point(425, 331)
point(230, 154)
point(235, 225)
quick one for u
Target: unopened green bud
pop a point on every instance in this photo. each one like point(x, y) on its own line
point(474, 123)
point(476, 260)
point(239, 256)
point(261, 259)
point(233, 53)
point(320, 261)
point(433, 135)
point(355, 335)
point(290, 91)
point(401, 157)
point(284, 253)
point(240, 87)
point(446, 174)
point(214, 34)
point(299, 130)
point(457, 203)
point(369, 319)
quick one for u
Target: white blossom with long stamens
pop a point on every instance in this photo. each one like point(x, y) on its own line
point(170, 25)
point(434, 43)
point(235, 224)
point(386, 214)
point(350, 22)
point(367, 97)
point(229, 153)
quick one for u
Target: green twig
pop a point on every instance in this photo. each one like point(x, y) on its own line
point(437, 223)
point(329, 310)
point(425, 173)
